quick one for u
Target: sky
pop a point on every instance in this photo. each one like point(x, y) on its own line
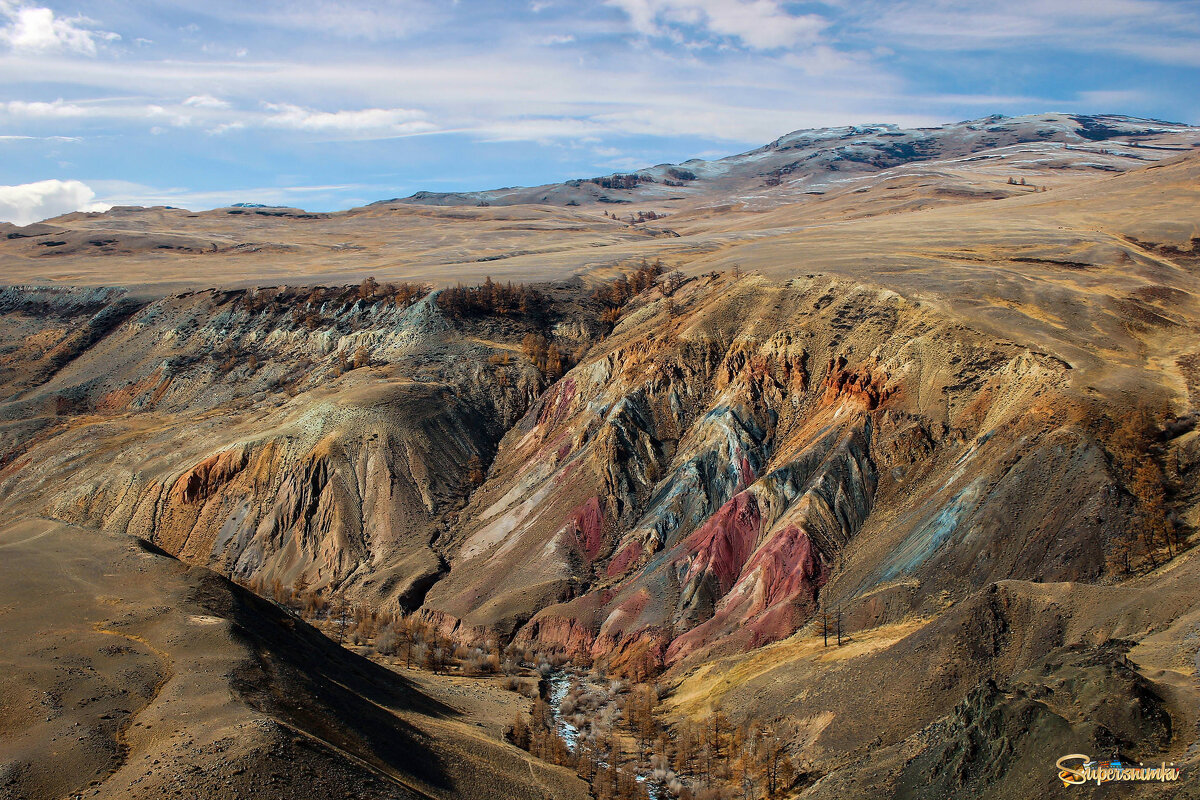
point(329, 105)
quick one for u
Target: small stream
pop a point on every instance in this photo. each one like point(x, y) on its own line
point(559, 683)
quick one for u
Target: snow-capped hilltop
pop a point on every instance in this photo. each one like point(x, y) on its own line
point(810, 160)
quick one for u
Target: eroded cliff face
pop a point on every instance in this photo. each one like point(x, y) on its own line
point(704, 481)
point(266, 434)
point(733, 456)
point(693, 486)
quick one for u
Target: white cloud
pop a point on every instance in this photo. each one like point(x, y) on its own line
point(225, 127)
point(39, 110)
point(542, 95)
point(758, 24)
point(822, 60)
point(206, 101)
point(506, 87)
point(16, 138)
point(218, 116)
point(30, 202)
point(33, 29)
point(396, 120)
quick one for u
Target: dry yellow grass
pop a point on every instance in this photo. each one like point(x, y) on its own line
point(703, 690)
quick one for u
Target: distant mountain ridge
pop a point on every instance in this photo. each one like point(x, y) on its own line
point(801, 179)
point(810, 160)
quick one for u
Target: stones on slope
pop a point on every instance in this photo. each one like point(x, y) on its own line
point(863, 383)
point(728, 454)
point(653, 437)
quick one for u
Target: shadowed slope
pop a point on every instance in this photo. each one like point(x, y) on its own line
point(144, 676)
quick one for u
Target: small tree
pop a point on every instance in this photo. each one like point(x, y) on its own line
point(388, 641)
point(475, 474)
point(776, 770)
point(518, 734)
point(436, 658)
point(300, 593)
point(342, 611)
point(404, 630)
point(536, 349)
point(554, 362)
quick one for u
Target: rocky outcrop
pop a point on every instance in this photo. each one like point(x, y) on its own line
point(735, 456)
point(272, 435)
point(698, 492)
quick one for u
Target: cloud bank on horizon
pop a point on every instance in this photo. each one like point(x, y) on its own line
point(330, 103)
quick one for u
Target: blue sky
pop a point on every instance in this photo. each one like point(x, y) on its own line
point(327, 105)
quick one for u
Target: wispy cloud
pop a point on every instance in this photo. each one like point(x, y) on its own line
point(759, 24)
point(38, 109)
point(117, 192)
point(372, 21)
point(19, 138)
point(206, 101)
point(385, 120)
point(1167, 32)
point(219, 116)
point(532, 99)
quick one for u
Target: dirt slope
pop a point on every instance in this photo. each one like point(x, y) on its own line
point(145, 677)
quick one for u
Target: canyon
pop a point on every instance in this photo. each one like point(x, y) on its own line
point(939, 386)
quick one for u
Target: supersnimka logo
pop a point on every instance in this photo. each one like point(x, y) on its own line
point(1077, 769)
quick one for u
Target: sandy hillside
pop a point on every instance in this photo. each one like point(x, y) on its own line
point(142, 677)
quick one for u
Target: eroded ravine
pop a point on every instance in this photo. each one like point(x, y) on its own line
point(733, 459)
point(687, 489)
